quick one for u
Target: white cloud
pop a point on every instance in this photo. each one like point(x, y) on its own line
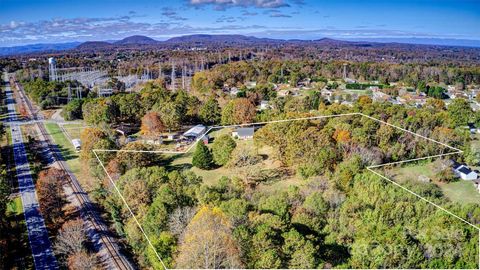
point(222, 4)
point(83, 29)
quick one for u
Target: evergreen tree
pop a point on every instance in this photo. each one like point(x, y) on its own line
point(202, 158)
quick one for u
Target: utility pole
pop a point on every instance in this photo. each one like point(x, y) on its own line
point(184, 73)
point(69, 93)
point(173, 76)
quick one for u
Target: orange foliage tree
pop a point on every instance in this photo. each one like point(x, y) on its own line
point(152, 125)
point(50, 194)
point(208, 242)
point(342, 136)
point(89, 137)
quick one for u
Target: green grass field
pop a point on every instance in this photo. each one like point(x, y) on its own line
point(460, 191)
point(211, 177)
point(74, 130)
point(65, 146)
point(71, 157)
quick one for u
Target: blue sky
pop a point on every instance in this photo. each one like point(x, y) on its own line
point(37, 21)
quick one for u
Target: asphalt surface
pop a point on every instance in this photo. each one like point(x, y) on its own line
point(104, 244)
point(40, 244)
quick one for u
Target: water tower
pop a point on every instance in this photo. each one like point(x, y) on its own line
point(52, 69)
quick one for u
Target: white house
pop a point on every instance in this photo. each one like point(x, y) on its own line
point(243, 133)
point(464, 172)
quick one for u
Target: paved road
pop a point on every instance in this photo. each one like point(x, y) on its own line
point(104, 244)
point(37, 232)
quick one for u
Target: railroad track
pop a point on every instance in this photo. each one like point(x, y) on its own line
point(87, 210)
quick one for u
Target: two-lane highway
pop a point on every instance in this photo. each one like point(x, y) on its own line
point(107, 249)
point(37, 232)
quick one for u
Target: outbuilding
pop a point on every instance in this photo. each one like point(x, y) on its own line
point(195, 132)
point(77, 144)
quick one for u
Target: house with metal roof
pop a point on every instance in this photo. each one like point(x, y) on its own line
point(243, 133)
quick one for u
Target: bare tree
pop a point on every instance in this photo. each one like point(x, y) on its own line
point(71, 238)
point(179, 219)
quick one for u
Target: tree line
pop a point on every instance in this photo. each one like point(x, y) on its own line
point(342, 216)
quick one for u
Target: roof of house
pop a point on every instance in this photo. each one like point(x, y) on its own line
point(464, 170)
point(195, 131)
point(456, 165)
point(245, 132)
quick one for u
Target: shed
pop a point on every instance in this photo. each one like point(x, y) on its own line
point(244, 133)
point(77, 144)
point(205, 139)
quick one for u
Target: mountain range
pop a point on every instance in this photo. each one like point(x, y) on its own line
point(203, 40)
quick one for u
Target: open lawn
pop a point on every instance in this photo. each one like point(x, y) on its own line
point(74, 130)
point(211, 177)
point(70, 155)
point(64, 144)
point(460, 191)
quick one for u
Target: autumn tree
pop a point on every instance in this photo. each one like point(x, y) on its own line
point(222, 149)
point(238, 111)
point(89, 137)
point(152, 125)
point(342, 136)
point(208, 242)
point(364, 101)
point(82, 261)
point(50, 193)
point(202, 157)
